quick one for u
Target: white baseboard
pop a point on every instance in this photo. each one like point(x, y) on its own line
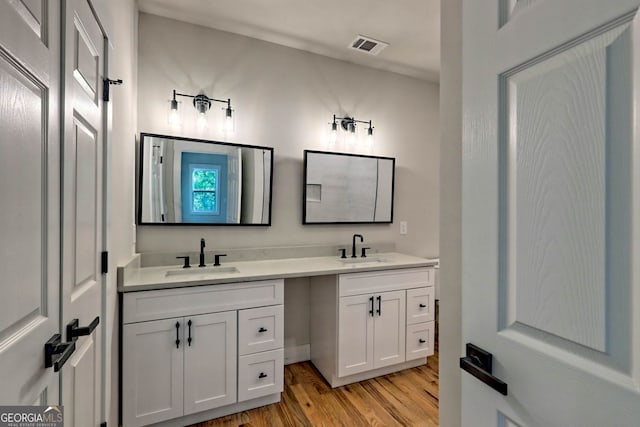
point(299, 353)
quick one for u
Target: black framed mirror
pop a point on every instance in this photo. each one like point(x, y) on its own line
point(185, 181)
point(342, 188)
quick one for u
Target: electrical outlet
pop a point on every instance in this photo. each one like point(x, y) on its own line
point(403, 227)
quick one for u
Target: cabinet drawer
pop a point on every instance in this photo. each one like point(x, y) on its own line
point(419, 340)
point(260, 329)
point(388, 280)
point(420, 305)
point(260, 374)
point(189, 301)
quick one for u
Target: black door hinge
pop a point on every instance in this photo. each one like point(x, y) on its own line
point(104, 424)
point(105, 263)
point(105, 87)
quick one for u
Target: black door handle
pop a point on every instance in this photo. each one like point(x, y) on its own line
point(478, 363)
point(74, 331)
point(189, 339)
point(56, 352)
point(371, 311)
point(177, 334)
point(379, 310)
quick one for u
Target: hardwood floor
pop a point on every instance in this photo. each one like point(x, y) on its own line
point(406, 398)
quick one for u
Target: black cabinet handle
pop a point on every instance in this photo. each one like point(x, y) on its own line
point(56, 352)
point(177, 334)
point(74, 331)
point(262, 375)
point(262, 329)
point(379, 310)
point(421, 341)
point(371, 311)
point(423, 306)
point(478, 363)
point(189, 339)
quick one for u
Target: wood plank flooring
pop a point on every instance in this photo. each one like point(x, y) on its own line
point(406, 398)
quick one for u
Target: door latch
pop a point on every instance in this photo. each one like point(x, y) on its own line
point(56, 352)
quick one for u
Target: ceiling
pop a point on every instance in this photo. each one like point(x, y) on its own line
point(327, 27)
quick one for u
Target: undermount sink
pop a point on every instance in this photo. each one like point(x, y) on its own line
point(201, 271)
point(361, 261)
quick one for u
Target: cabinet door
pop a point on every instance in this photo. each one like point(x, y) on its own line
point(152, 363)
point(210, 361)
point(355, 335)
point(389, 329)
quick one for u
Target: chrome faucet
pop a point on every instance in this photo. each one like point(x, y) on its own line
point(202, 245)
point(353, 247)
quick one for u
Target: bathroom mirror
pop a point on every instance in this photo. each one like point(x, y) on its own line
point(199, 182)
point(347, 188)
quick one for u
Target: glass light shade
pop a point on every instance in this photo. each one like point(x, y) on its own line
point(229, 124)
point(175, 115)
point(202, 121)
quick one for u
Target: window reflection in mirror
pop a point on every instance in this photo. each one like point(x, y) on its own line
point(347, 188)
point(196, 182)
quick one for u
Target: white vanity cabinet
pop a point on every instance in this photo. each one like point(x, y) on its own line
point(366, 324)
point(185, 351)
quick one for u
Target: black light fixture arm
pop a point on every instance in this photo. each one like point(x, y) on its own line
point(199, 98)
point(346, 121)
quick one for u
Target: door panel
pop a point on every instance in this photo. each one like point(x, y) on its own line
point(82, 367)
point(153, 365)
point(355, 335)
point(82, 203)
point(550, 178)
point(389, 329)
point(210, 361)
point(29, 189)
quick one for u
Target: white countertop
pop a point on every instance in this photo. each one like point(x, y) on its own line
point(148, 278)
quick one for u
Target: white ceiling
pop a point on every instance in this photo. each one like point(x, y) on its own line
point(327, 27)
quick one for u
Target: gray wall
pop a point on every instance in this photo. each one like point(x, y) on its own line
point(450, 211)
point(285, 98)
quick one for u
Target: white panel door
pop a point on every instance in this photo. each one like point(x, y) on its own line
point(210, 361)
point(82, 209)
point(152, 363)
point(355, 334)
point(389, 329)
point(551, 211)
point(30, 194)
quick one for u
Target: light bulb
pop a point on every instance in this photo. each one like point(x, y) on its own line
point(174, 115)
point(229, 125)
point(202, 121)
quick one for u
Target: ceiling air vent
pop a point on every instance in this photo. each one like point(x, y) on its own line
point(368, 45)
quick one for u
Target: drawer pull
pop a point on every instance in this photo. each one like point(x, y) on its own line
point(423, 306)
point(189, 339)
point(262, 375)
point(177, 334)
point(421, 341)
point(262, 329)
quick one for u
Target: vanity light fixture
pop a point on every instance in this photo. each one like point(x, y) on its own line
point(348, 124)
point(202, 104)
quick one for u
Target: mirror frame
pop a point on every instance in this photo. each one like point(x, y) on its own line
point(188, 224)
point(304, 188)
